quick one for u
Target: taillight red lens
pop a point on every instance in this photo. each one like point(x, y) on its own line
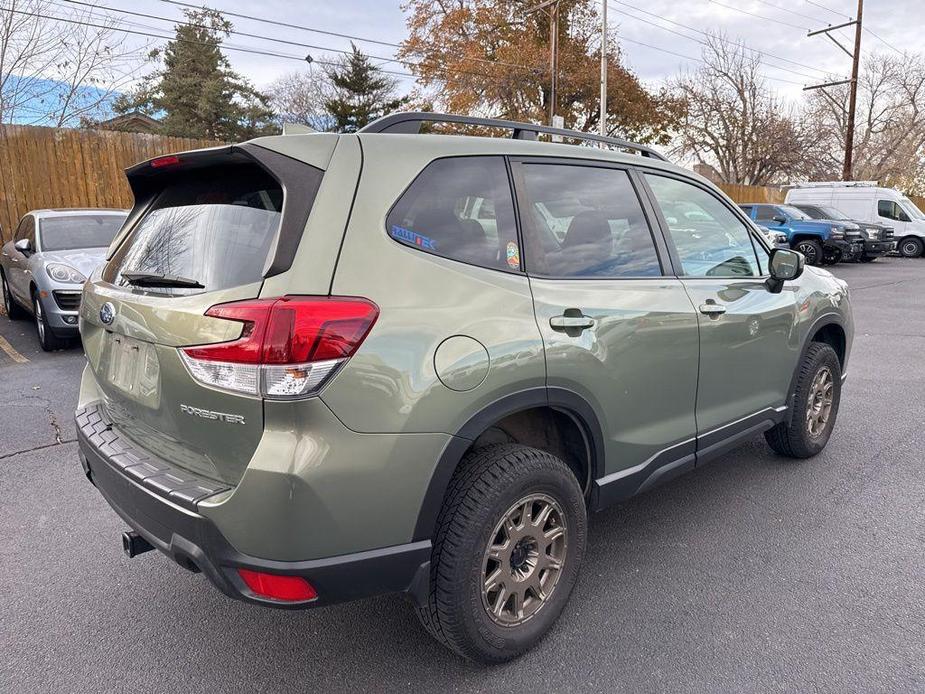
point(291, 330)
point(278, 587)
point(288, 347)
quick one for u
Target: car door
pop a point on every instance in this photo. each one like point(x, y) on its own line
point(618, 329)
point(18, 278)
point(748, 338)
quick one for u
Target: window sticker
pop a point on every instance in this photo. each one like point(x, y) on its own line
point(413, 237)
point(513, 255)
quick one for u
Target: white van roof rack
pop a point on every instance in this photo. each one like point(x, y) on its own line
point(837, 184)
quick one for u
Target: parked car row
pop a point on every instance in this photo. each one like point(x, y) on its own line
point(844, 221)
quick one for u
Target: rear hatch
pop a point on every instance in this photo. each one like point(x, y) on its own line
point(207, 228)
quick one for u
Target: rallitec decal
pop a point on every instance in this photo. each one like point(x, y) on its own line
point(413, 237)
point(513, 256)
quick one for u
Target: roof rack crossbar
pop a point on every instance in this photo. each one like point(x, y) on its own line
point(410, 123)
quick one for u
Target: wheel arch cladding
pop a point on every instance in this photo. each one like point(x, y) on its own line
point(565, 408)
point(832, 334)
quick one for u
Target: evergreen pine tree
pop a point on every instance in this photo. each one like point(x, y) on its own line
point(362, 93)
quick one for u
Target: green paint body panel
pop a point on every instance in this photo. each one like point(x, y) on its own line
point(350, 470)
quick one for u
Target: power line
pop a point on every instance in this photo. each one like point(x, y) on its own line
point(793, 12)
point(708, 34)
point(829, 9)
point(884, 41)
point(759, 16)
point(706, 43)
point(262, 37)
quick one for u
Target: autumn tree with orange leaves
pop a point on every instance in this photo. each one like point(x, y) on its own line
point(491, 58)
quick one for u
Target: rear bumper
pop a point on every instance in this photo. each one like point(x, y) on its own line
point(162, 508)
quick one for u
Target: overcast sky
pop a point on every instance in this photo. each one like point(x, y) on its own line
point(898, 22)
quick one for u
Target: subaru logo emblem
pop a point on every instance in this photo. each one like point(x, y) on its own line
point(107, 313)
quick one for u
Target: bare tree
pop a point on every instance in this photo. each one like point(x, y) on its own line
point(889, 141)
point(733, 121)
point(54, 72)
point(300, 97)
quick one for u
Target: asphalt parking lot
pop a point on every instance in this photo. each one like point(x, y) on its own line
point(752, 574)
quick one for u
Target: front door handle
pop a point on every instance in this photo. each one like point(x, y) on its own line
point(567, 322)
point(712, 309)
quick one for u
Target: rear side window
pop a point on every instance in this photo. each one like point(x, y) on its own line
point(584, 221)
point(460, 208)
point(215, 227)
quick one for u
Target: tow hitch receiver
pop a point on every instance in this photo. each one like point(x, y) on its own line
point(134, 544)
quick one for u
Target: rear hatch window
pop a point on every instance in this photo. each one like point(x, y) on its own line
point(214, 228)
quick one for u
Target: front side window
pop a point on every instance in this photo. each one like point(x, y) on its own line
point(891, 210)
point(83, 231)
point(460, 208)
point(26, 229)
point(711, 241)
point(585, 222)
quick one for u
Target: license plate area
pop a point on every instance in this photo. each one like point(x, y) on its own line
point(133, 368)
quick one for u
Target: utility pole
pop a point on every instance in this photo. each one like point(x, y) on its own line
point(604, 68)
point(551, 7)
point(855, 56)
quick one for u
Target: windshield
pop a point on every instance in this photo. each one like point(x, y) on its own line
point(78, 231)
point(794, 212)
point(832, 213)
point(911, 209)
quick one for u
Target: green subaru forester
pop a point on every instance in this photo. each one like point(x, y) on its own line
point(323, 367)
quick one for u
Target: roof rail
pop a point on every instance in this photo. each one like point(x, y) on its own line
point(410, 123)
point(836, 184)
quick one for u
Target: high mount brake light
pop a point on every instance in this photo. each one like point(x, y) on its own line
point(288, 348)
point(161, 162)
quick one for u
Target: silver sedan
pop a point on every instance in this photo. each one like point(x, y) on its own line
point(44, 266)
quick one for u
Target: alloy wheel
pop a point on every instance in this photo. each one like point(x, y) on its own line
point(524, 559)
point(819, 402)
point(910, 249)
point(808, 250)
point(39, 320)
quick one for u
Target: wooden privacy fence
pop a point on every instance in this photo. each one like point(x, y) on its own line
point(63, 167)
point(742, 194)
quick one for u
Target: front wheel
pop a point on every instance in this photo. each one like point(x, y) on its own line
point(13, 310)
point(911, 247)
point(509, 543)
point(814, 406)
point(47, 339)
point(869, 258)
point(832, 257)
point(812, 250)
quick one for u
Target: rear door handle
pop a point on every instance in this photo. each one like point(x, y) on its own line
point(571, 322)
point(712, 309)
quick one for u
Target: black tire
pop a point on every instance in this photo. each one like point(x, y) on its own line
point(832, 257)
point(482, 493)
point(911, 247)
point(794, 438)
point(47, 339)
point(869, 258)
point(13, 310)
point(811, 249)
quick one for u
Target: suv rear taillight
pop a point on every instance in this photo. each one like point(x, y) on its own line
point(289, 347)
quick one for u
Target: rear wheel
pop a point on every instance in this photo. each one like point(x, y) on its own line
point(47, 339)
point(814, 406)
point(508, 547)
point(911, 247)
point(812, 250)
point(13, 310)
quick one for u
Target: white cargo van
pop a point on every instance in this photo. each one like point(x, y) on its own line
point(865, 201)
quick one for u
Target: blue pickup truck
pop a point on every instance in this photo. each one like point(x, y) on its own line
point(822, 242)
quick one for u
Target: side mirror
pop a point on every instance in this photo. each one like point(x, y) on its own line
point(780, 219)
point(783, 265)
point(24, 246)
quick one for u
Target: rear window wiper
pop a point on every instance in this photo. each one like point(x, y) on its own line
point(157, 279)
